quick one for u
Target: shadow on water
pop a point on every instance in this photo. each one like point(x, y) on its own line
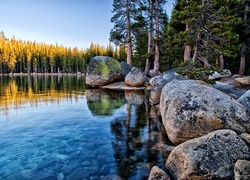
point(125, 143)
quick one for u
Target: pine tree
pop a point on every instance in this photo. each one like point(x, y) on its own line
point(122, 19)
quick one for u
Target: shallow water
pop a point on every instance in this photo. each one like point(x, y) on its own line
point(52, 127)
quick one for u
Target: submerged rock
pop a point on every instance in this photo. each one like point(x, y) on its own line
point(158, 174)
point(208, 157)
point(191, 110)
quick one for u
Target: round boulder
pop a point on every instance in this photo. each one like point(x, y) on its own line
point(156, 83)
point(135, 77)
point(209, 157)
point(158, 174)
point(245, 100)
point(242, 170)
point(191, 110)
point(103, 70)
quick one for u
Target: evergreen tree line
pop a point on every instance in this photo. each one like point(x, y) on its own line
point(18, 56)
point(205, 34)
point(201, 34)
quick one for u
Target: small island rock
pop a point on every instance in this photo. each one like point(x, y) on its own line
point(103, 70)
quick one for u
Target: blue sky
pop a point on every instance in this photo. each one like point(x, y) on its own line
point(72, 23)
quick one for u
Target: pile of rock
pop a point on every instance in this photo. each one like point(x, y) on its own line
point(210, 129)
point(104, 70)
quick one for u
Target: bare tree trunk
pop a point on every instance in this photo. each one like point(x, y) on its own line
point(147, 68)
point(217, 61)
point(195, 56)
point(129, 47)
point(187, 50)
point(242, 59)
point(243, 49)
point(157, 51)
point(221, 60)
point(187, 53)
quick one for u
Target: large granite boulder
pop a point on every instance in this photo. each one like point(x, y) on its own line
point(191, 110)
point(208, 157)
point(245, 100)
point(135, 77)
point(103, 70)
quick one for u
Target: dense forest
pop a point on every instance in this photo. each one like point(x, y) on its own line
point(18, 56)
point(199, 34)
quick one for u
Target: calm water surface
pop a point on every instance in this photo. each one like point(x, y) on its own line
point(52, 127)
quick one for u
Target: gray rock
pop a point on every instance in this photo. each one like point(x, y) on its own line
point(79, 173)
point(242, 170)
point(171, 75)
point(245, 100)
point(215, 76)
point(151, 72)
point(69, 168)
point(230, 89)
point(191, 110)
point(111, 177)
point(209, 157)
point(156, 83)
point(126, 67)
point(43, 176)
point(226, 73)
point(158, 174)
point(103, 70)
point(135, 77)
point(48, 162)
point(246, 138)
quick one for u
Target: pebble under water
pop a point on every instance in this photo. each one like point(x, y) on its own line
point(71, 137)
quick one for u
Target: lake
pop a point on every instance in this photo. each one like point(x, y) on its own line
point(54, 127)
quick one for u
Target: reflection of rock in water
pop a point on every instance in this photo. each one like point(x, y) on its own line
point(134, 97)
point(103, 102)
point(132, 150)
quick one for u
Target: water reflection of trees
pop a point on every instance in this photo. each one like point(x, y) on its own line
point(103, 102)
point(134, 137)
point(15, 91)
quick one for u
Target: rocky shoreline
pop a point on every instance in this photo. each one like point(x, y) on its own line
point(208, 125)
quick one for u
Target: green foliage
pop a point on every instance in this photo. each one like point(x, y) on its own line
point(195, 71)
